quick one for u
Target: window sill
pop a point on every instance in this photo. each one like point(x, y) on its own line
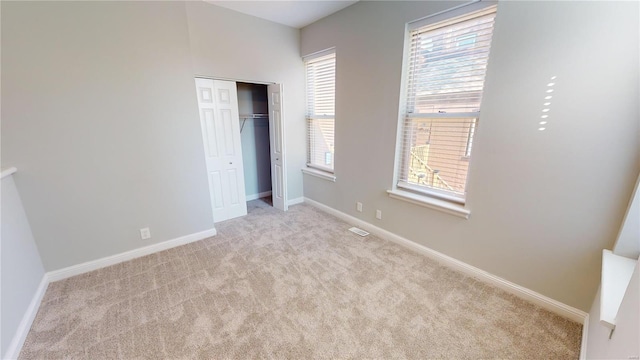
point(429, 202)
point(320, 174)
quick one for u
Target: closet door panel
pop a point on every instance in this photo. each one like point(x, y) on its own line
point(219, 121)
point(276, 136)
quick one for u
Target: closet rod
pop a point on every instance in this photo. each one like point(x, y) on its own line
point(253, 116)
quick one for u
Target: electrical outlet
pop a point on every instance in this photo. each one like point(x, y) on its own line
point(359, 206)
point(145, 233)
point(379, 214)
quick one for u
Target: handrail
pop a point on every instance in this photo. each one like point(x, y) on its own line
point(8, 171)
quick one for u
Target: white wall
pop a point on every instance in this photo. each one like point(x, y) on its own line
point(21, 267)
point(543, 204)
point(228, 44)
point(99, 113)
point(625, 341)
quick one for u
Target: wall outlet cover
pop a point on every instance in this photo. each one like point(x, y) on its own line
point(145, 233)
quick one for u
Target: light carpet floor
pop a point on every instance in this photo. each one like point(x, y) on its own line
point(294, 285)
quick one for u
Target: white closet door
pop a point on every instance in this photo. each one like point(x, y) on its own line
point(219, 119)
point(276, 135)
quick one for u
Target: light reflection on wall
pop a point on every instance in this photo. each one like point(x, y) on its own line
point(546, 106)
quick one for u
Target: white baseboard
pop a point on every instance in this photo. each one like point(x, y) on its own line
point(295, 201)
point(27, 319)
point(517, 290)
point(128, 255)
point(585, 337)
point(258, 196)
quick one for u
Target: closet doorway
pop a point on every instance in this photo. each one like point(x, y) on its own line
point(253, 105)
point(243, 136)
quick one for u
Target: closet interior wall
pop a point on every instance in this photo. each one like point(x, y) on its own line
point(254, 135)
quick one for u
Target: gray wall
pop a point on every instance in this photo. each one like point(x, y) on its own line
point(543, 203)
point(99, 114)
point(256, 157)
point(232, 45)
point(21, 267)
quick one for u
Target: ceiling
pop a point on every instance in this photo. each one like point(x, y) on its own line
point(294, 13)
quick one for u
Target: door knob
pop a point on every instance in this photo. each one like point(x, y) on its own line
point(230, 163)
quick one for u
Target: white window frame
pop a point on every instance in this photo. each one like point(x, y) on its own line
point(416, 194)
point(317, 169)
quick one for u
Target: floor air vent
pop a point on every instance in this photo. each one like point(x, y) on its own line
point(358, 231)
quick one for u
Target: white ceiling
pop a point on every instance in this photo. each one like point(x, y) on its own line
point(294, 13)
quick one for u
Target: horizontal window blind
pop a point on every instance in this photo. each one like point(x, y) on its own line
point(445, 78)
point(320, 142)
point(320, 82)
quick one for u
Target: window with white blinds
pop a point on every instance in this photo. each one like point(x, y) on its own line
point(445, 73)
point(321, 84)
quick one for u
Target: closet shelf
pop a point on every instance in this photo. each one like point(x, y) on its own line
point(616, 275)
point(253, 116)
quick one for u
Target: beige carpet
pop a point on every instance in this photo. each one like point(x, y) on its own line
point(293, 285)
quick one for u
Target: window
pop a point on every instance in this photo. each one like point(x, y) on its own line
point(445, 73)
point(321, 83)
